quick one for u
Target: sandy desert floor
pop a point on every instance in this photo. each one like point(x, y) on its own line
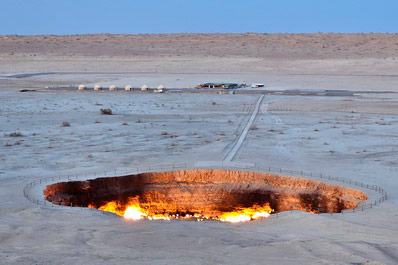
point(353, 137)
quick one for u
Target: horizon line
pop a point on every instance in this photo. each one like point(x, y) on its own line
point(199, 33)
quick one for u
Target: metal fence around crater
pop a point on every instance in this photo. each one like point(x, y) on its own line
point(178, 166)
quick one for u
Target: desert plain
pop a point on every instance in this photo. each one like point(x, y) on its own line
point(48, 133)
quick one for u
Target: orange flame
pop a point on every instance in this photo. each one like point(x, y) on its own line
point(247, 214)
point(133, 211)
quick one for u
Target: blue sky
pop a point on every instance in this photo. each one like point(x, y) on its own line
point(176, 16)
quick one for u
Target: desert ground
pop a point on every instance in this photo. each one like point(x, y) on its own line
point(352, 137)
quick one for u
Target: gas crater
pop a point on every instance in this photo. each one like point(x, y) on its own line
point(204, 194)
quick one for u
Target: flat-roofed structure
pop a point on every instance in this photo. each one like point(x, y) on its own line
point(218, 85)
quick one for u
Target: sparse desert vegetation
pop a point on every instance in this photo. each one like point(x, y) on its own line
point(292, 46)
point(106, 111)
point(14, 134)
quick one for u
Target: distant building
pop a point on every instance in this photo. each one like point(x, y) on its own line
point(218, 86)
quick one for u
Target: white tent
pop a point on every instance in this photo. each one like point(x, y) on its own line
point(82, 87)
point(113, 87)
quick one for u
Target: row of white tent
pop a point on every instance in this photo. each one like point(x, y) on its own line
point(113, 87)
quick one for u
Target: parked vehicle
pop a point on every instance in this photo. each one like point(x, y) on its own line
point(256, 85)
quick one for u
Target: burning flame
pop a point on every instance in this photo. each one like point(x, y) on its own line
point(247, 214)
point(133, 211)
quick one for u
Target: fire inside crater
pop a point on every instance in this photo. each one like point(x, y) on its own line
point(204, 194)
